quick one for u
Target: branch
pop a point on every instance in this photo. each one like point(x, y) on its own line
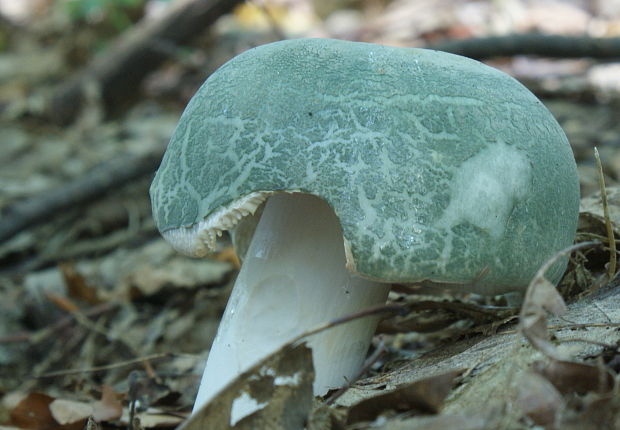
point(533, 44)
point(118, 72)
point(107, 176)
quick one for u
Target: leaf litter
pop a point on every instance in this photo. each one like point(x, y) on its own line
point(496, 367)
point(115, 314)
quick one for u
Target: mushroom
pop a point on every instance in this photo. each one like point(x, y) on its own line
point(342, 167)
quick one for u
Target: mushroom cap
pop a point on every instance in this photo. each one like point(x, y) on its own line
point(438, 167)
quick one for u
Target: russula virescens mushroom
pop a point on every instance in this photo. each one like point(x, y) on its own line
point(377, 165)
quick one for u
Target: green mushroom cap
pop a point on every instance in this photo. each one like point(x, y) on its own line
point(438, 167)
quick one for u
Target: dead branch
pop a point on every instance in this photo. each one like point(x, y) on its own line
point(118, 72)
point(63, 323)
point(533, 44)
point(103, 178)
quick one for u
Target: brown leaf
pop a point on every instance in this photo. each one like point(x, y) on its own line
point(324, 417)
point(109, 407)
point(594, 412)
point(281, 384)
point(77, 285)
point(538, 399)
point(148, 279)
point(572, 377)
point(70, 411)
point(541, 296)
point(437, 422)
point(33, 413)
point(228, 255)
point(425, 395)
point(544, 294)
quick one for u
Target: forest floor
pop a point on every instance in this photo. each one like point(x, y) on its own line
point(100, 318)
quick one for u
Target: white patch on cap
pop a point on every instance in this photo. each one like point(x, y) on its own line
point(486, 188)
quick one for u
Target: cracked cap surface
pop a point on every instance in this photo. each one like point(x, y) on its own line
point(438, 167)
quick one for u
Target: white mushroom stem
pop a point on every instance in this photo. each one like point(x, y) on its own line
point(293, 278)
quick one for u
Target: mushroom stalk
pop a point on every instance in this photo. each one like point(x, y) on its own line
point(294, 278)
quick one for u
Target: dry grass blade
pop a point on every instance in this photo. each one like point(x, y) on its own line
point(611, 269)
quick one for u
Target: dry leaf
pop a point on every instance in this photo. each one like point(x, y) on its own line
point(109, 407)
point(538, 399)
point(281, 385)
point(151, 418)
point(425, 395)
point(33, 412)
point(573, 377)
point(70, 411)
point(77, 285)
point(438, 422)
point(148, 279)
point(324, 417)
point(542, 297)
point(595, 412)
point(545, 295)
point(228, 255)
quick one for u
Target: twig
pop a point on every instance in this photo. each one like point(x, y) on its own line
point(63, 323)
point(126, 363)
point(107, 176)
point(376, 355)
point(611, 270)
point(533, 44)
point(118, 72)
point(133, 397)
point(371, 311)
point(568, 327)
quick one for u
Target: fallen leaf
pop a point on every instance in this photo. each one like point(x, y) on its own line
point(438, 422)
point(573, 377)
point(228, 255)
point(545, 295)
point(538, 399)
point(425, 395)
point(152, 417)
point(542, 297)
point(77, 285)
point(324, 417)
point(149, 280)
point(281, 386)
point(70, 411)
point(109, 407)
point(593, 412)
point(33, 412)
